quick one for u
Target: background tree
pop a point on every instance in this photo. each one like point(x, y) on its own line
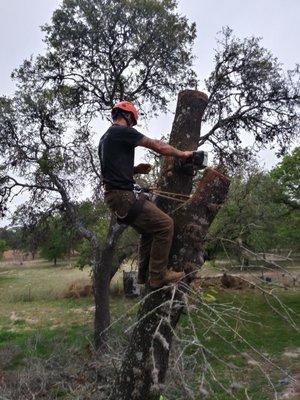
point(3, 247)
point(249, 218)
point(287, 176)
point(12, 236)
point(102, 51)
point(262, 210)
point(249, 95)
point(57, 239)
point(29, 222)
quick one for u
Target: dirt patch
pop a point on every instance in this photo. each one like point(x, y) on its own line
point(16, 256)
point(50, 379)
point(293, 389)
point(77, 290)
point(8, 356)
point(292, 353)
point(224, 281)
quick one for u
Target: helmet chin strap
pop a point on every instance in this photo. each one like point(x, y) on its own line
point(127, 119)
point(126, 116)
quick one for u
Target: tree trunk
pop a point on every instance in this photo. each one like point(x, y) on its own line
point(145, 363)
point(102, 271)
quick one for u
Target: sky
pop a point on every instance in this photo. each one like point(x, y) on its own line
point(276, 21)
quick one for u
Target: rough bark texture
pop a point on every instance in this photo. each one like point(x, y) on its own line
point(145, 363)
point(102, 273)
point(192, 220)
point(185, 135)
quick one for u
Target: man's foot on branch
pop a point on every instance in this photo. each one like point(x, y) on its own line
point(168, 277)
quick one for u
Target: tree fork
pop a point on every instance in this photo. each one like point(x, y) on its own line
point(145, 363)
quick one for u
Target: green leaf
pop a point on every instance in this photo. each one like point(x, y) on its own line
point(209, 298)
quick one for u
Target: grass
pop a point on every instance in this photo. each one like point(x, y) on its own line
point(248, 347)
point(40, 331)
point(265, 329)
point(38, 280)
point(34, 316)
point(35, 319)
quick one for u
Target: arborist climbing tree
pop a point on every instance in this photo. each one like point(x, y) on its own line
point(116, 151)
point(146, 357)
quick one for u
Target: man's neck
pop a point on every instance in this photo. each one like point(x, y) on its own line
point(120, 121)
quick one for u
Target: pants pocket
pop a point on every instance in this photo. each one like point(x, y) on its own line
point(119, 201)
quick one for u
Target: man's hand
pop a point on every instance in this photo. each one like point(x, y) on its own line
point(186, 154)
point(142, 169)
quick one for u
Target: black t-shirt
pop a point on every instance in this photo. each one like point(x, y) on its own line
point(116, 152)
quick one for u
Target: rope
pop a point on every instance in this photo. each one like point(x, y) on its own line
point(173, 198)
point(178, 208)
point(169, 197)
point(169, 193)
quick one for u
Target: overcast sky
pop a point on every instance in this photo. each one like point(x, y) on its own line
point(276, 21)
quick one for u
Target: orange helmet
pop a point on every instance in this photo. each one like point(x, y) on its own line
point(128, 107)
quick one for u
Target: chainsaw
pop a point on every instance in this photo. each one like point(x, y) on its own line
point(190, 166)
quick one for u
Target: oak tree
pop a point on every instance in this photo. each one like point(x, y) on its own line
point(98, 52)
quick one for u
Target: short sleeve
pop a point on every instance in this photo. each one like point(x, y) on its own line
point(131, 136)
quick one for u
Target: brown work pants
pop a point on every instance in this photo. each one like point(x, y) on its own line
point(156, 229)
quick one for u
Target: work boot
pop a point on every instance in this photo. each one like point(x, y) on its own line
point(169, 276)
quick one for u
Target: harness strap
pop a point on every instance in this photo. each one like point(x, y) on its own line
point(133, 211)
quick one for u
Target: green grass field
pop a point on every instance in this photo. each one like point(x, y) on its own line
point(245, 350)
point(234, 336)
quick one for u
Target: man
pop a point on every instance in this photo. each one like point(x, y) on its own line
point(116, 152)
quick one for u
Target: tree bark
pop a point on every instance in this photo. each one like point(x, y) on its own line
point(145, 363)
point(102, 273)
point(185, 135)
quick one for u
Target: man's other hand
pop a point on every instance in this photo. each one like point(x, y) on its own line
point(142, 169)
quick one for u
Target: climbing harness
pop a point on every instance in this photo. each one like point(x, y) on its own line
point(133, 211)
point(182, 198)
point(167, 195)
point(189, 167)
point(142, 194)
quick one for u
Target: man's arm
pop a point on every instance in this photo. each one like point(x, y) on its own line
point(163, 148)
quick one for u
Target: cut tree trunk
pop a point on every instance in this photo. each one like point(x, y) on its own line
point(145, 363)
